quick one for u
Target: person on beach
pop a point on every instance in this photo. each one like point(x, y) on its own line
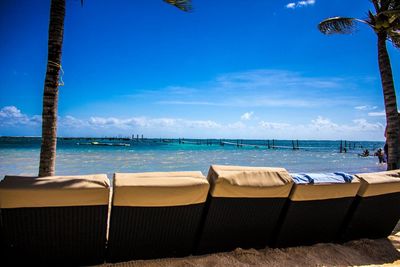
point(380, 155)
point(386, 153)
point(365, 153)
point(385, 149)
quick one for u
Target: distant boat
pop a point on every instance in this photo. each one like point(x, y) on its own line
point(104, 144)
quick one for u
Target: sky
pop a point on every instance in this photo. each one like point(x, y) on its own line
point(228, 69)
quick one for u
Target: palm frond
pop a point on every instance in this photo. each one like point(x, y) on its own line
point(184, 5)
point(394, 37)
point(393, 4)
point(388, 20)
point(384, 4)
point(371, 18)
point(337, 25)
point(394, 12)
point(376, 4)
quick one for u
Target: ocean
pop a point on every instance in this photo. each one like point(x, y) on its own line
point(20, 156)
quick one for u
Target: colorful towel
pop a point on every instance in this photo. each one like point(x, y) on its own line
point(321, 178)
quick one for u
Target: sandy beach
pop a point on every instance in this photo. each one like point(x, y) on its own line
point(381, 252)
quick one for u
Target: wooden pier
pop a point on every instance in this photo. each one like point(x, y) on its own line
point(342, 146)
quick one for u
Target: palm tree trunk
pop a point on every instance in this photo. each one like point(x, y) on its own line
point(50, 95)
point(392, 116)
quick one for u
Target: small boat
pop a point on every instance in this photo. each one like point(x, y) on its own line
point(104, 144)
point(121, 144)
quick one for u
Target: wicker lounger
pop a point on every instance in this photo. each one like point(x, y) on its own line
point(60, 220)
point(155, 215)
point(376, 209)
point(315, 213)
point(243, 207)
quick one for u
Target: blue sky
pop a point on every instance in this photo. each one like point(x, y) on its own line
point(229, 69)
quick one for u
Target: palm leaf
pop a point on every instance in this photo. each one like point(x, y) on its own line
point(371, 18)
point(385, 4)
point(337, 25)
point(184, 5)
point(393, 4)
point(377, 5)
point(394, 37)
point(394, 12)
point(392, 17)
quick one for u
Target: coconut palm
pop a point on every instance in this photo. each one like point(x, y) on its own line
point(52, 81)
point(385, 22)
point(50, 95)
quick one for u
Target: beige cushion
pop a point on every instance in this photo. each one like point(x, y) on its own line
point(379, 183)
point(159, 189)
point(54, 191)
point(308, 192)
point(249, 182)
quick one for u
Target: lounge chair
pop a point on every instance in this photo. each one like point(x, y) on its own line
point(243, 207)
point(316, 210)
point(155, 214)
point(376, 209)
point(59, 220)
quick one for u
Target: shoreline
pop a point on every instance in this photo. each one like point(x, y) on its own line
point(177, 138)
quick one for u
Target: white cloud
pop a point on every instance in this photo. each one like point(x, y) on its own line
point(303, 3)
point(236, 125)
point(161, 122)
point(36, 119)
point(99, 121)
point(364, 125)
point(247, 116)
point(371, 109)
point(207, 124)
point(306, 2)
point(10, 112)
point(319, 128)
point(377, 114)
point(110, 122)
point(365, 107)
point(358, 125)
point(323, 123)
point(291, 5)
point(71, 122)
point(361, 107)
point(151, 123)
point(273, 125)
point(12, 116)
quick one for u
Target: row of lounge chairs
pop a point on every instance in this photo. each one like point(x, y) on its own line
point(82, 220)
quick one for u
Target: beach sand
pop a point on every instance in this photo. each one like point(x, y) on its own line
point(381, 252)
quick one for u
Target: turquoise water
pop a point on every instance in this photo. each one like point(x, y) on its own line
point(20, 156)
